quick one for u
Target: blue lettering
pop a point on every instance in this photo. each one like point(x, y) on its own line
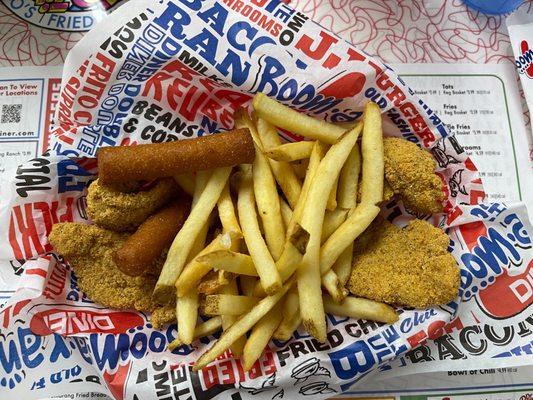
point(217, 15)
point(169, 20)
point(207, 43)
point(60, 349)
point(194, 5)
point(157, 342)
point(238, 28)
point(239, 74)
point(11, 359)
point(138, 345)
point(67, 171)
point(519, 232)
point(352, 360)
point(489, 249)
point(115, 347)
point(272, 69)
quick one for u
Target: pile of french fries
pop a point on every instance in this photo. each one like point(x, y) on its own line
point(284, 252)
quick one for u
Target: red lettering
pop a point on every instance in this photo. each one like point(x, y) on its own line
point(255, 371)
point(246, 10)
point(265, 23)
point(27, 229)
point(269, 363)
point(476, 196)
point(383, 82)
point(332, 61)
point(210, 376)
point(226, 371)
point(189, 107)
point(276, 30)
point(155, 82)
point(355, 55)
point(456, 324)
point(453, 215)
point(174, 91)
point(83, 117)
point(258, 3)
point(305, 43)
point(25, 225)
point(238, 5)
point(397, 96)
point(210, 109)
point(235, 99)
point(418, 338)
point(107, 63)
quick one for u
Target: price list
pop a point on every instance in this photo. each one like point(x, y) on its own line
point(475, 109)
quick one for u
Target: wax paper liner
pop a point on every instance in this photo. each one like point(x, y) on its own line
point(170, 70)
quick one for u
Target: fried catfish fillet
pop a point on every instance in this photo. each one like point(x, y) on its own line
point(124, 212)
point(410, 171)
point(408, 266)
point(89, 250)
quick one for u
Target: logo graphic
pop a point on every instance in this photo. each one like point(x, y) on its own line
point(62, 15)
point(524, 62)
point(308, 368)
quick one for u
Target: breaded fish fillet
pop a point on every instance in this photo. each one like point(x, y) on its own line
point(124, 212)
point(89, 251)
point(409, 266)
point(410, 171)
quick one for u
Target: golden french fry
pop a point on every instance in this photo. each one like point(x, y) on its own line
point(357, 222)
point(199, 242)
point(349, 179)
point(299, 238)
point(287, 327)
point(290, 311)
point(226, 211)
point(214, 281)
point(260, 335)
point(204, 329)
point(241, 326)
point(300, 168)
point(230, 261)
point(290, 151)
point(247, 285)
point(319, 149)
point(335, 279)
point(184, 240)
point(226, 304)
point(359, 308)
point(242, 120)
point(194, 271)
point(332, 199)
point(309, 278)
point(187, 306)
point(288, 262)
point(373, 159)
point(267, 199)
point(291, 256)
point(331, 282)
point(186, 182)
point(186, 315)
point(227, 320)
point(332, 220)
point(286, 212)
point(343, 265)
point(266, 194)
point(284, 117)
point(283, 172)
point(264, 264)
